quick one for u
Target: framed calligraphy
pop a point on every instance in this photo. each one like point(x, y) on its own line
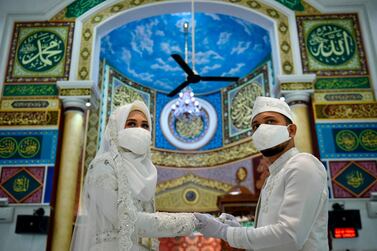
point(238, 101)
point(40, 52)
point(353, 179)
point(331, 45)
point(22, 184)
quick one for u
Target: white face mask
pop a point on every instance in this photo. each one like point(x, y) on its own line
point(268, 136)
point(137, 140)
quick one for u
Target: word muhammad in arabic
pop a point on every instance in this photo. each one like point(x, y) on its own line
point(331, 44)
point(41, 51)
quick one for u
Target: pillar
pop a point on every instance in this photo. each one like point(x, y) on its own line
point(75, 100)
point(297, 90)
point(298, 102)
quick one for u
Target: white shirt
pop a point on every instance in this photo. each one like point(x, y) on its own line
point(292, 209)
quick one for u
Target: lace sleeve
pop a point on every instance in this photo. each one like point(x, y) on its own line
point(165, 224)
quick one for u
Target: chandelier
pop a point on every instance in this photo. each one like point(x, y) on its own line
point(186, 107)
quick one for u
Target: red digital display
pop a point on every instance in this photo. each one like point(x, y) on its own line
point(347, 232)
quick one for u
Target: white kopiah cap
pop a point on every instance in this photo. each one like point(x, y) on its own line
point(267, 104)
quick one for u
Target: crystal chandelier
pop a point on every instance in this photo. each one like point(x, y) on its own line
point(186, 107)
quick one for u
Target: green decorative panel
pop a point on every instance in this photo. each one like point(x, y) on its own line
point(40, 52)
point(342, 83)
point(292, 4)
point(21, 90)
point(331, 45)
point(238, 99)
point(79, 7)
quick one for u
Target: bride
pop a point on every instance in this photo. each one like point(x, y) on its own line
point(118, 196)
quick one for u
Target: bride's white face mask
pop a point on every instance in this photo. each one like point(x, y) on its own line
point(137, 140)
point(136, 136)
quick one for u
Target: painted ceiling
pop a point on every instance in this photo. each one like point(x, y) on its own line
point(224, 46)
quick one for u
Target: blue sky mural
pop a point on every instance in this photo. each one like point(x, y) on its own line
point(224, 46)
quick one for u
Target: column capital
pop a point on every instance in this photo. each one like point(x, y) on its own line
point(297, 88)
point(297, 97)
point(78, 95)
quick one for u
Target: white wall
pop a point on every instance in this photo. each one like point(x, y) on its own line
point(367, 240)
point(10, 241)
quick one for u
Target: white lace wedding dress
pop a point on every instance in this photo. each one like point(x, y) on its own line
point(115, 222)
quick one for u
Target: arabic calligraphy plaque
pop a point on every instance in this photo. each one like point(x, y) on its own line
point(29, 147)
point(368, 139)
point(22, 184)
point(355, 179)
point(8, 147)
point(41, 51)
point(347, 140)
point(331, 44)
point(242, 104)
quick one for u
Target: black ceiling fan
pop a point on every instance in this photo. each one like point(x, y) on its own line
point(193, 78)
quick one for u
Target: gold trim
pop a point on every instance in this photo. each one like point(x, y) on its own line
point(191, 178)
point(296, 86)
point(75, 92)
point(35, 117)
point(203, 159)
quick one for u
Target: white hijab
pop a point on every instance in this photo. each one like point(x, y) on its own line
point(139, 170)
point(136, 178)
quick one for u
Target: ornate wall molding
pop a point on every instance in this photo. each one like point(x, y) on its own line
point(367, 111)
point(205, 158)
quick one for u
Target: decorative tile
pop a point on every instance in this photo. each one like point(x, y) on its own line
point(238, 100)
point(293, 5)
point(28, 147)
point(79, 7)
point(347, 140)
point(22, 184)
point(331, 45)
point(349, 111)
point(25, 90)
point(40, 52)
point(353, 179)
point(343, 97)
point(342, 83)
point(38, 118)
point(23, 104)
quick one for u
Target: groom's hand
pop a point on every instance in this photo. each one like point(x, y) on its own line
point(209, 226)
point(229, 219)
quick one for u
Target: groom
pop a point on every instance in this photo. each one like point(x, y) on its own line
point(292, 209)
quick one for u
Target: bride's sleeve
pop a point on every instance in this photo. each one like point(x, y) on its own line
point(165, 224)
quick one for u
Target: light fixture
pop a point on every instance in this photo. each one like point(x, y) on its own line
point(186, 107)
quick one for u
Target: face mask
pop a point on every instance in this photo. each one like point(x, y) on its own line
point(268, 136)
point(137, 140)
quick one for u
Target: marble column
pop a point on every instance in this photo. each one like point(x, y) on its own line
point(297, 91)
point(75, 102)
point(299, 101)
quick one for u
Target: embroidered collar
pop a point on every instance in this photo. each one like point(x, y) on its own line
point(279, 163)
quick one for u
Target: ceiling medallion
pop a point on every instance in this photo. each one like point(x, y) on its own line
point(188, 132)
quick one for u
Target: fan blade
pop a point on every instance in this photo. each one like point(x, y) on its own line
point(227, 79)
point(183, 64)
point(178, 89)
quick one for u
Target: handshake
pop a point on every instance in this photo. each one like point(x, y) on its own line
point(210, 226)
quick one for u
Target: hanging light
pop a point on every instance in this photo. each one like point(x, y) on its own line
point(186, 107)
